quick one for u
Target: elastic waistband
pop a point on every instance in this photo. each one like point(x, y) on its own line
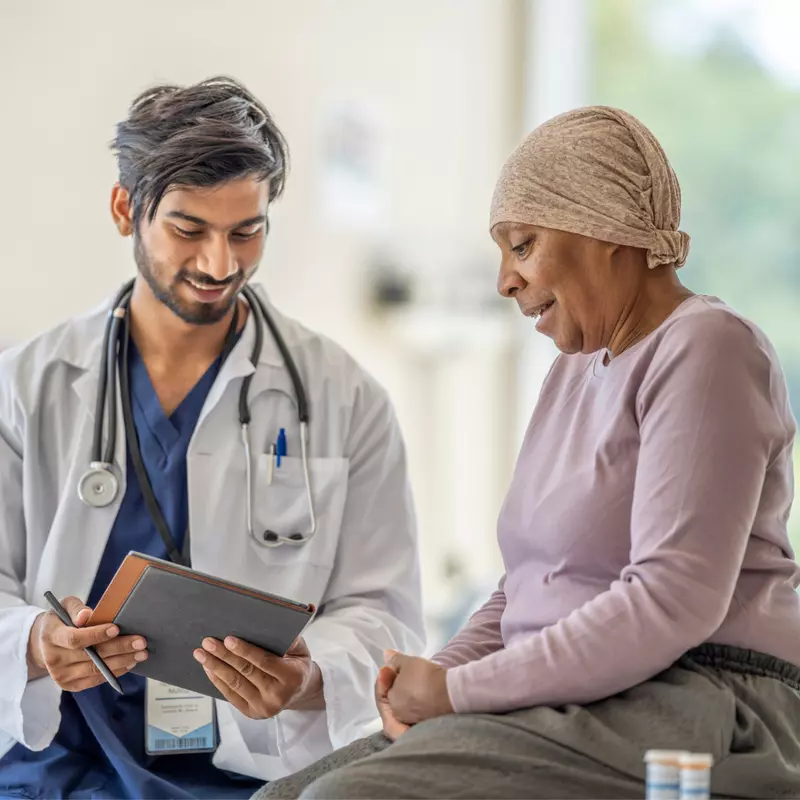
point(744, 662)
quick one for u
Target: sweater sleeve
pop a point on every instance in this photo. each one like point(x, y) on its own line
point(479, 637)
point(708, 431)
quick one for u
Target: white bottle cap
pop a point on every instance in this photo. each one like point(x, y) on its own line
point(697, 761)
point(670, 757)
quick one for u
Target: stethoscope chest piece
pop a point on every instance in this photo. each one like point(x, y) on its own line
point(98, 486)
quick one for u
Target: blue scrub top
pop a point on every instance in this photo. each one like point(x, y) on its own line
point(98, 751)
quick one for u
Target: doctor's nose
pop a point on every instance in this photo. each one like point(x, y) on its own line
point(217, 259)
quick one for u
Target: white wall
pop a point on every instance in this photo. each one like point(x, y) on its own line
point(444, 80)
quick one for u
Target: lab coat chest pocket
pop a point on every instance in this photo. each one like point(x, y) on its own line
point(281, 505)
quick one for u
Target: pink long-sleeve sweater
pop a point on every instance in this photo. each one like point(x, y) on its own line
point(647, 515)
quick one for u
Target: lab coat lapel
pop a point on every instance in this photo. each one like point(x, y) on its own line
point(270, 373)
point(86, 389)
point(79, 533)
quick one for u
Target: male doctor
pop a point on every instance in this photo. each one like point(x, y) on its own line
point(198, 169)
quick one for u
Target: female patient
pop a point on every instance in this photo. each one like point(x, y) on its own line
point(649, 595)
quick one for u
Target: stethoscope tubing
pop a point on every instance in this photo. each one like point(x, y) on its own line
point(99, 486)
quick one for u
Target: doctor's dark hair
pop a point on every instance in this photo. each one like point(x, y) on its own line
point(201, 135)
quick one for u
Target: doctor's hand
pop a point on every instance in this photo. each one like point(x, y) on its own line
point(58, 650)
point(419, 691)
point(258, 683)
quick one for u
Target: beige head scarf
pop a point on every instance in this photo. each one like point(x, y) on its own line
point(599, 172)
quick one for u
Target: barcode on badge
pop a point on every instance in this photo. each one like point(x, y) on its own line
point(190, 743)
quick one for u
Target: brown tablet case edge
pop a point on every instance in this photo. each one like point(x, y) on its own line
point(131, 569)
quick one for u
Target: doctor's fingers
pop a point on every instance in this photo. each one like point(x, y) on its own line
point(81, 675)
point(122, 645)
point(62, 657)
point(261, 694)
point(252, 663)
point(275, 667)
point(57, 634)
point(236, 700)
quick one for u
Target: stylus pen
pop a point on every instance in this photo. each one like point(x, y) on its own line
point(90, 651)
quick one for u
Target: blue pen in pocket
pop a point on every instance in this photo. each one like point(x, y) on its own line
point(280, 449)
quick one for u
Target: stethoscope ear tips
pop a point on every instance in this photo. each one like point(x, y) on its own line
point(271, 536)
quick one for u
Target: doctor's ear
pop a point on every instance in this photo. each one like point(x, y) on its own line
point(122, 210)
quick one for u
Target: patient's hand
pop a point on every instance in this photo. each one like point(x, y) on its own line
point(392, 728)
point(419, 691)
point(258, 683)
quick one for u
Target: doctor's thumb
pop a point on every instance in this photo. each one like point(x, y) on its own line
point(78, 611)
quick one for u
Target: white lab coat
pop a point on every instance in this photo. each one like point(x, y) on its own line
point(360, 569)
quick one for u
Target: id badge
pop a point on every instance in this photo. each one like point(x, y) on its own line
point(178, 721)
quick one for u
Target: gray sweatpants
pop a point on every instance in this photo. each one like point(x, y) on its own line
point(740, 706)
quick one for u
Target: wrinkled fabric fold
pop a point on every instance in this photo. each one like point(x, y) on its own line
point(598, 172)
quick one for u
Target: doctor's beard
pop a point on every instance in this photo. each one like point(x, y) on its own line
point(195, 313)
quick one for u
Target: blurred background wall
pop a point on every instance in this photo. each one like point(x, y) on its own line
point(399, 116)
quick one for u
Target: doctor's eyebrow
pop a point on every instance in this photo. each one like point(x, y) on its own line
point(245, 223)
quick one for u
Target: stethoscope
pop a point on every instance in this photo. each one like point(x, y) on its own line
point(98, 487)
